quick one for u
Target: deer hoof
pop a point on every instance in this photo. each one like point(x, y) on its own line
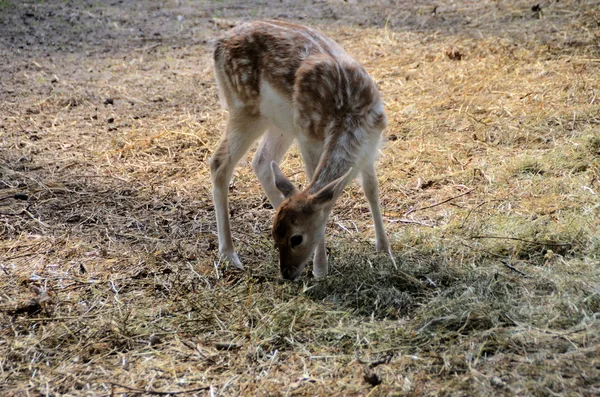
point(233, 259)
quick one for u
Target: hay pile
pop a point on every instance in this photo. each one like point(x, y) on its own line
point(110, 282)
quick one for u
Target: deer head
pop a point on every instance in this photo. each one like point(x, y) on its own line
point(300, 220)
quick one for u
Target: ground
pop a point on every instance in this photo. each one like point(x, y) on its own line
point(110, 279)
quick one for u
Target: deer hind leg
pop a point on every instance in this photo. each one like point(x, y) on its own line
point(242, 130)
point(311, 157)
point(272, 148)
point(371, 189)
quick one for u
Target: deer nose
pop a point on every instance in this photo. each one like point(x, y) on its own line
point(289, 274)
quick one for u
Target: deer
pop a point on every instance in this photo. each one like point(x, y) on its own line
point(285, 82)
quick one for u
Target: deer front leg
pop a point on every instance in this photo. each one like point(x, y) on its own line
point(311, 155)
point(320, 261)
point(272, 148)
point(241, 132)
point(371, 189)
point(226, 248)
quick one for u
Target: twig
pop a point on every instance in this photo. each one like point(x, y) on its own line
point(440, 203)
point(60, 318)
point(503, 260)
point(383, 360)
point(25, 211)
point(19, 196)
point(157, 392)
point(525, 241)
point(226, 346)
point(476, 119)
point(22, 255)
point(402, 220)
point(471, 211)
point(514, 269)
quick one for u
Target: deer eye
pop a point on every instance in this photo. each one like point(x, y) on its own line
point(296, 240)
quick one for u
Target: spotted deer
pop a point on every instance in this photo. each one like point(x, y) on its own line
point(296, 83)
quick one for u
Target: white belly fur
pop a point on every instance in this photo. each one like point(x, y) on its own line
point(277, 108)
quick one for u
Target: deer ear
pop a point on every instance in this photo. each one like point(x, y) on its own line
point(327, 196)
point(283, 184)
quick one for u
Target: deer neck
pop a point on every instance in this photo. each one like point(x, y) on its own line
point(339, 155)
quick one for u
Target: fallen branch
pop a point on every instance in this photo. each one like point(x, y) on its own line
point(159, 393)
point(514, 269)
point(409, 221)
point(550, 244)
point(440, 203)
point(60, 318)
point(503, 261)
point(17, 196)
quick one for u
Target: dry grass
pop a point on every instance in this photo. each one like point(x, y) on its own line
point(110, 283)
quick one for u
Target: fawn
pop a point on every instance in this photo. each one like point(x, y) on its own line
point(296, 83)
